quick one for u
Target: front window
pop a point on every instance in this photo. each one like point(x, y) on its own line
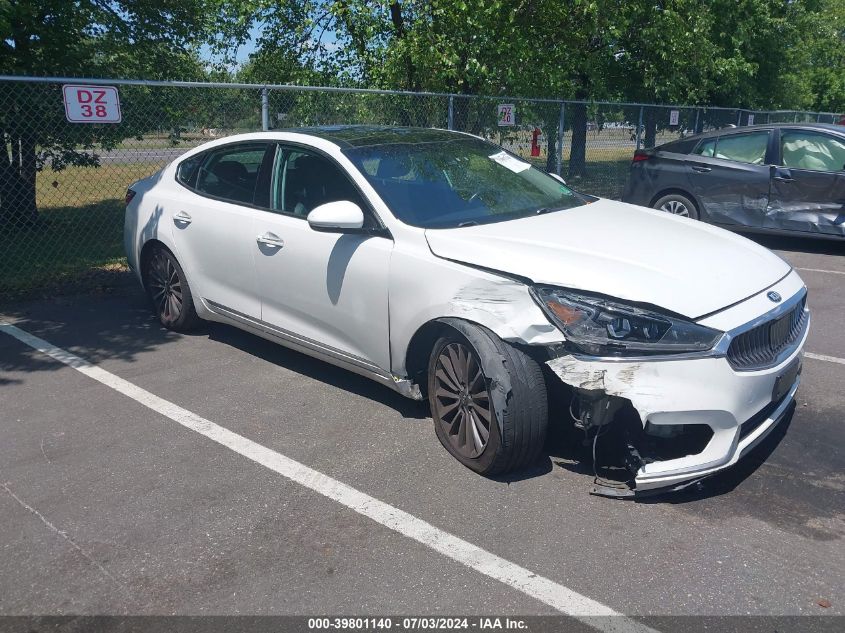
point(303, 180)
point(460, 182)
point(812, 150)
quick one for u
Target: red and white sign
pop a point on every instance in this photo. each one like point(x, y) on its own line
point(91, 104)
point(506, 114)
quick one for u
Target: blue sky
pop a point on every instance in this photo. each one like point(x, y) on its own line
point(329, 38)
point(243, 52)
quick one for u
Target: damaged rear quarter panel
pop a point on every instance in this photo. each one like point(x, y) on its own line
point(450, 289)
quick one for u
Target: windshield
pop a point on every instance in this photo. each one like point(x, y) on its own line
point(460, 182)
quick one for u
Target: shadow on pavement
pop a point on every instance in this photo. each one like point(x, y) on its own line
point(315, 369)
point(96, 328)
point(121, 327)
point(797, 244)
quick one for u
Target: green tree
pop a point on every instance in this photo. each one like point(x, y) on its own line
point(152, 39)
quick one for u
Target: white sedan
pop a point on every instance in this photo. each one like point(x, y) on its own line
point(444, 267)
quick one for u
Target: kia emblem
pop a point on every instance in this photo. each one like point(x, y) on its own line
point(774, 296)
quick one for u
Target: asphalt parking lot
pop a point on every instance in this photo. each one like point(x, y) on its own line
point(109, 505)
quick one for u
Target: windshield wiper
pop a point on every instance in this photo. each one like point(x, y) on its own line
point(468, 223)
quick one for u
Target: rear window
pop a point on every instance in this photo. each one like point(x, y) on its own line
point(742, 148)
point(231, 172)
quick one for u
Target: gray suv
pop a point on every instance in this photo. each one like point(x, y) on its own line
point(772, 178)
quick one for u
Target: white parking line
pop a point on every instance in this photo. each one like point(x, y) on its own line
point(555, 595)
point(822, 270)
point(825, 357)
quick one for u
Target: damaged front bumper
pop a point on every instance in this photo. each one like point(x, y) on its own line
point(740, 407)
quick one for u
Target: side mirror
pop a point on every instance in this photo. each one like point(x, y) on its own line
point(556, 177)
point(342, 216)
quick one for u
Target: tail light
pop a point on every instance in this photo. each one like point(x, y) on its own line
point(641, 154)
point(129, 195)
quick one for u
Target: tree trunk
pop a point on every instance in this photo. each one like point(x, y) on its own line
point(578, 148)
point(551, 148)
point(699, 124)
point(460, 114)
point(650, 125)
point(17, 185)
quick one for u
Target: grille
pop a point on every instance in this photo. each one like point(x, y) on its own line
point(760, 346)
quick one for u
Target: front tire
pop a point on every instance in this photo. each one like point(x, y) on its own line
point(677, 204)
point(168, 290)
point(488, 400)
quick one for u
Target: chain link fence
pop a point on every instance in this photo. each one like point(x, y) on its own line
point(62, 184)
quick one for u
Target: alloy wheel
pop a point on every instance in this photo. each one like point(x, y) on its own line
point(462, 400)
point(165, 287)
point(676, 207)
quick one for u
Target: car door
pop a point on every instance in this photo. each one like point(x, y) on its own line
point(729, 176)
point(808, 185)
point(330, 289)
point(211, 223)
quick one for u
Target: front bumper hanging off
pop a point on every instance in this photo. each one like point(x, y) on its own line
point(740, 407)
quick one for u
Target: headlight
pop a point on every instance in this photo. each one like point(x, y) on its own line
point(605, 327)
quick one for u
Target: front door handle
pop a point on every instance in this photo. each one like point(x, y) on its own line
point(783, 178)
point(182, 218)
point(270, 239)
point(700, 169)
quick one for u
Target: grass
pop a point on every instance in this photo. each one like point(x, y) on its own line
point(66, 246)
point(79, 239)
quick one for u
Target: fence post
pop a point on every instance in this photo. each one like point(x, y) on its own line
point(265, 110)
point(450, 121)
point(560, 129)
point(695, 129)
point(640, 128)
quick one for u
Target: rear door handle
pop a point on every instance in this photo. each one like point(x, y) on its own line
point(182, 218)
point(700, 169)
point(270, 239)
point(784, 178)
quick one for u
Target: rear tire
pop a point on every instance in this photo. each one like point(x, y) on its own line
point(488, 400)
point(677, 204)
point(168, 290)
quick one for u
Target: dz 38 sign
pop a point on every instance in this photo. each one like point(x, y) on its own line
point(91, 104)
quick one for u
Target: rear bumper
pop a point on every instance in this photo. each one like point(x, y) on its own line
point(637, 190)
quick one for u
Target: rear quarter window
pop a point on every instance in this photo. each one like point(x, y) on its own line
point(681, 146)
point(186, 172)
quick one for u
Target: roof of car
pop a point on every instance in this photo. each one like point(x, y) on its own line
point(767, 126)
point(348, 136)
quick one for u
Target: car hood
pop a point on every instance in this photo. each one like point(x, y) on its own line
point(622, 251)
